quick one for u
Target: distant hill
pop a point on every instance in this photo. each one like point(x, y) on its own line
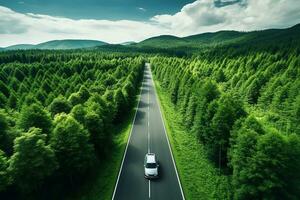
point(223, 37)
point(190, 43)
point(59, 44)
point(128, 43)
point(216, 38)
point(20, 46)
point(163, 41)
point(70, 44)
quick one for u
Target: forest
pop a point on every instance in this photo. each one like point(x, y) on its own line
point(239, 98)
point(57, 112)
point(243, 104)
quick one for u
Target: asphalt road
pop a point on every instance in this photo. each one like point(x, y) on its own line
point(147, 135)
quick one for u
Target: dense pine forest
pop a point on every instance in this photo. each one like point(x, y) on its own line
point(236, 94)
point(243, 104)
point(58, 109)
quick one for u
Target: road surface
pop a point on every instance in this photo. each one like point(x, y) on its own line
point(147, 135)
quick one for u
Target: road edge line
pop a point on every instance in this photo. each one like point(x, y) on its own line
point(170, 149)
point(125, 152)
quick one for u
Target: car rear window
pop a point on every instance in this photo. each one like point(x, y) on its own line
point(151, 165)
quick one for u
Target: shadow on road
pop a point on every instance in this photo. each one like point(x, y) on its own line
point(146, 85)
point(145, 91)
point(140, 115)
point(143, 104)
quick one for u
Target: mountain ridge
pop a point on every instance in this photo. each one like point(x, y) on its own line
point(59, 44)
point(221, 37)
point(196, 41)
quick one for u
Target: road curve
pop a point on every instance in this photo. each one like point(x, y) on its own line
point(147, 135)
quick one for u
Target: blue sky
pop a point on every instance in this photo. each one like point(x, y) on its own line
point(98, 9)
point(117, 21)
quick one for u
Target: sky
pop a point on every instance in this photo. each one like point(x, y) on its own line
point(117, 21)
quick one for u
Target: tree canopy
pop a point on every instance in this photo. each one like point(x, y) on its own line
point(31, 154)
point(57, 113)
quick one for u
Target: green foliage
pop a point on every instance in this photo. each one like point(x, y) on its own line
point(90, 87)
point(265, 166)
point(31, 154)
point(4, 89)
point(79, 112)
point(253, 92)
point(296, 114)
point(229, 75)
point(12, 101)
point(226, 41)
point(29, 100)
point(3, 130)
point(241, 161)
point(209, 91)
point(6, 140)
point(3, 100)
point(4, 174)
point(121, 105)
point(269, 166)
point(59, 105)
point(84, 93)
point(129, 92)
point(70, 142)
point(75, 99)
point(35, 116)
point(220, 76)
point(197, 174)
point(229, 110)
point(174, 92)
point(214, 91)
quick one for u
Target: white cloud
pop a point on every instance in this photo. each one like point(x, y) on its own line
point(10, 22)
point(197, 17)
point(245, 15)
point(18, 28)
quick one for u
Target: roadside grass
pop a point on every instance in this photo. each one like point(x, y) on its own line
point(102, 183)
point(199, 178)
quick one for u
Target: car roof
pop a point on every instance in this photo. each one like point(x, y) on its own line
point(150, 158)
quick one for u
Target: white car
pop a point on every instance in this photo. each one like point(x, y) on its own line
point(151, 166)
